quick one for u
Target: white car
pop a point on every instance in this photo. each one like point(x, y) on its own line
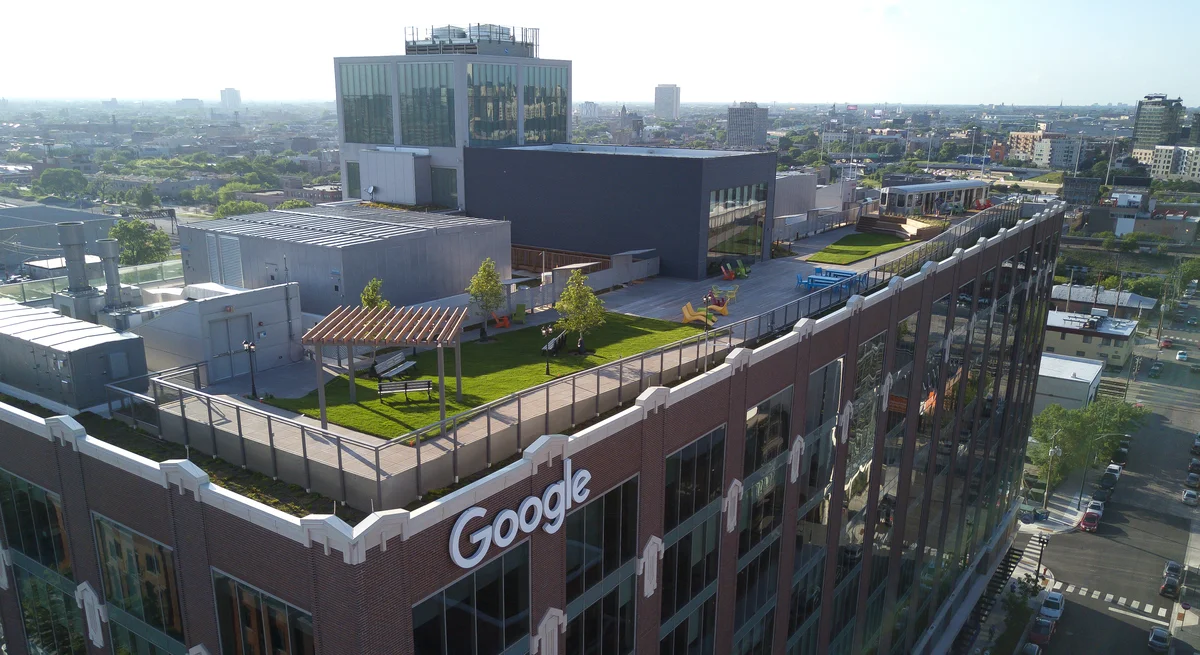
point(1052, 607)
point(1190, 498)
point(1115, 469)
point(1181, 356)
point(1096, 507)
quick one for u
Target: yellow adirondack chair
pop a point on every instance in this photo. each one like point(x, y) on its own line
point(690, 315)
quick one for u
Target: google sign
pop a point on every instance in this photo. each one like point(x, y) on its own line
point(551, 507)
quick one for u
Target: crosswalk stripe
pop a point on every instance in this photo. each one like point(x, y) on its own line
point(1057, 585)
point(1083, 591)
point(1108, 598)
point(1095, 594)
point(1121, 601)
point(1135, 604)
point(1070, 588)
point(1149, 609)
point(1162, 611)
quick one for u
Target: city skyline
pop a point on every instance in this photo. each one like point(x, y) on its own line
point(267, 70)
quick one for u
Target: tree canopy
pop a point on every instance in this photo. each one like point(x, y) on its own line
point(239, 207)
point(62, 181)
point(145, 198)
point(141, 242)
point(1076, 432)
point(579, 309)
point(294, 203)
point(486, 291)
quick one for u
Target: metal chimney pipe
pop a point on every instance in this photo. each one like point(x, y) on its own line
point(110, 255)
point(70, 237)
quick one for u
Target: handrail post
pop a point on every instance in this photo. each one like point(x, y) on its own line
point(418, 444)
point(341, 470)
point(378, 480)
point(187, 442)
point(518, 421)
point(454, 455)
point(573, 386)
point(304, 454)
point(488, 438)
point(212, 428)
point(620, 381)
point(271, 445)
point(547, 417)
point(237, 412)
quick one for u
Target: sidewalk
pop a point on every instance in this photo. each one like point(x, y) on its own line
point(998, 615)
point(1186, 622)
point(1064, 505)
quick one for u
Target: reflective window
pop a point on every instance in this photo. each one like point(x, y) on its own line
point(758, 639)
point(353, 180)
point(53, 621)
point(695, 476)
point(444, 183)
point(735, 224)
point(762, 507)
point(426, 97)
point(492, 104)
point(139, 577)
point(757, 583)
point(251, 622)
point(767, 427)
point(33, 523)
point(694, 635)
point(601, 536)
point(690, 565)
point(806, 597)
point(606, 626)
point(366, 103)
point(546, 104)
point(483, 613)
point(127, 642)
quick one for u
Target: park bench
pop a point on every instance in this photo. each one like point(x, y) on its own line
point(404, 387)
point(393, 366)
point(556, 344)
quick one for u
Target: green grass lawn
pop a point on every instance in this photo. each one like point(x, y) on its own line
point(513, 361)
point(855, 247)
point(1051, 178)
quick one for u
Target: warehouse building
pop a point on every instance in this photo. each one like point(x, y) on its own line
point(333, 251)
point(846, 484)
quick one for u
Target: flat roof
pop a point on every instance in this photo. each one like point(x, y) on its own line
point(1099, 296)
point(948, 185)
point(1086, 323)
point(60, 262)
point(46, 327)
point(336, 226)
point(1065, 367)
point(34, 215)
point(636, 151)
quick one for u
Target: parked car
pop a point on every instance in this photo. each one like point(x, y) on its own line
point(1115, 469)
point(1101, 494)
point(1160, 639)
point(1181, 356)
point(1120, 456)
point(1196, 446)
point(1096, 506)
point(1192, 481)
point(1172, 569)
point(1031, 649)
point(1042, 631)
point(1155, 370)
point(1193, 321)
point(1053, 605)
point(1194, 466)
point(1090, 522)
point(1190, 498)
point(1169, 587)
point(1166, 343)
point(1108, 480)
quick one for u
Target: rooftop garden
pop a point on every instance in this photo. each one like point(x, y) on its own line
point(288, 498)
point(856, 247)
point(506, 364)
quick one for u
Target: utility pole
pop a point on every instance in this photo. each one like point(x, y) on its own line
point(1111, 150)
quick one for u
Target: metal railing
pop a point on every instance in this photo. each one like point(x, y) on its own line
point(322, 459)
point(37, 290)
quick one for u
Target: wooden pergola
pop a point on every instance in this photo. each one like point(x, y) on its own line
point(430, 327)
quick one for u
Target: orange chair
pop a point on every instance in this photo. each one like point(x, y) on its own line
point(501, 321)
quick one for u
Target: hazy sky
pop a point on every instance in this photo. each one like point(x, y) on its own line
point(863, 51)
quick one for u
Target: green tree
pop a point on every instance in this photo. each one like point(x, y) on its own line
point(146, 198)
point(579, 309)
point(1110, 282)
point(1077, 432)
point(228, 193)
point(239, 207)
point(1190, 270)
point(62, 181)
point(1150, 286)
point(1129, 243)
point(203, 195)
point(294, 203)
point(141, 242)
point(486, 292)
point(372, 298)
point(1109, 243)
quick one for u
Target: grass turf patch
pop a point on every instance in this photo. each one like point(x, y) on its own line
point(1051, 178)
point(856, 247)
point(511, 362)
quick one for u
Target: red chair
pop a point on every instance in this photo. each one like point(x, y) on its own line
point(501, 321)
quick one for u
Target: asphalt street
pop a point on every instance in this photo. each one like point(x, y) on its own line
point(1111, 577)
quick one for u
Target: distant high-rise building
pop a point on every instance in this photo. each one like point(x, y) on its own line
point(589, 109)
point(666, 101)
point(231, 99)
point(190, 103)
point(454, 88)
point(1157, 121)
point(747, 126)
point(1194, 136)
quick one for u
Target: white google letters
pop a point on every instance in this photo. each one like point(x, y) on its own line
point(551, 507)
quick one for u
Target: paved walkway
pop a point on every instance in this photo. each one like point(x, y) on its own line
point(998, 616)
point(1064, 505)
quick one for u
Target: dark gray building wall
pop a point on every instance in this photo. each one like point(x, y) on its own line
point(605, 204)
point(725, 172)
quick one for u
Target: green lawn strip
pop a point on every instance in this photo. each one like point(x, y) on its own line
point(1055, 177)
point(856, 247)
point(513, 361)
point(288, 498)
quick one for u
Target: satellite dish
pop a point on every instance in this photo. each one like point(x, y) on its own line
point(371, 189)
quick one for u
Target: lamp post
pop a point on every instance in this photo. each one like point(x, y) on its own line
point(249, 347)
point(1054, 452)
point(1086, 463)
point(547, 330)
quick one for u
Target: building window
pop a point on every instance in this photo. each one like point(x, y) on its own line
point(1049, 349)
point(757, 583)
point(426, 97)
point(735, 224)
point(486, 611)
point(1062, 336)
point(492, 105)
point(52, 620)
point(366, 103)
point(762, 507)
point(695, 476)
point(1106, 341)
point(444, 183)
point(694, 634)
point(606, 626)
point(767, 427)
point(353, 181)
point(601, 536)
point(546, 104)
point(690, 566)
point(756, 639)
point(33, 523)
point(251, 622)
point(1080, 353)
point(139, 578)
point(1087, 338)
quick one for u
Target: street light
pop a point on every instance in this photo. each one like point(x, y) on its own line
point(249, 347)
point(1086, 463)
point(1055, 451)
point(547, 330)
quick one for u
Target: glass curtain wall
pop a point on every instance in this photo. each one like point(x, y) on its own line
point(904, 533)
point(367, 103)
point(139, 580)
point(251, 622)
point(426, 97)
point(53, 622)
point(492, 105)
point(601, 570)
point(546, 104)
point(735, 224)
point(353, 180)
point(485, 612)
point(33, 523)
